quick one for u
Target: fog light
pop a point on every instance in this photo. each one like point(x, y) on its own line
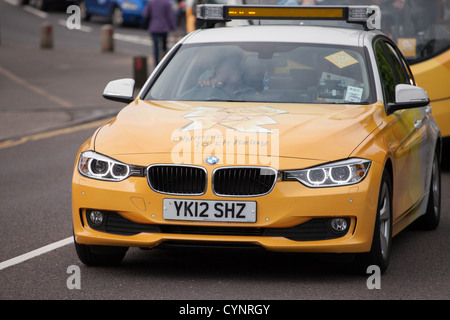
point(339, 224)
point(96, 218)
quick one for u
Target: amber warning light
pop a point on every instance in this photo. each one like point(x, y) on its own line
point(284, 13)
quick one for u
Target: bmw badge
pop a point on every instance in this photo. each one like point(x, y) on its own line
point(212, 160)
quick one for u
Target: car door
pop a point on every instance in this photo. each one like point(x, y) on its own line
point(98, 7)
point(408, 127)
point(422, 123)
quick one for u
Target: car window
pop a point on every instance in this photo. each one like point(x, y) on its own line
point(400, 65)
point(387, 75)
point(265, 72)
point(402, 76)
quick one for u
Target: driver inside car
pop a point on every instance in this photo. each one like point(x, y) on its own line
point(226, 75)
point(223, 81)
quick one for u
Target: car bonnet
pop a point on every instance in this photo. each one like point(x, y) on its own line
point(181, 131)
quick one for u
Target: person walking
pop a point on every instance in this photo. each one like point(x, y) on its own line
point(161, 21)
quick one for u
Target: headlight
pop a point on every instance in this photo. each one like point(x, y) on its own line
point(340, 173)
point(97, 166)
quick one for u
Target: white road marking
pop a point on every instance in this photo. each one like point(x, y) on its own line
point(12, 2)
point(36, 12)
point(132, 38)
point(82, 28)
point(35, 253)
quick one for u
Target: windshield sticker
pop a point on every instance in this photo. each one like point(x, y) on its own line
point(353, 94)
point(246, 119)
point(341, 59)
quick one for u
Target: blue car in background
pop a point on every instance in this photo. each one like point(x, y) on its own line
point(121, 12)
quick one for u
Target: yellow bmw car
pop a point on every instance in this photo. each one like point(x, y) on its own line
point(293, 138)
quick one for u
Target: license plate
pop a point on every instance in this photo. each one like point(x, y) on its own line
point(209, 210)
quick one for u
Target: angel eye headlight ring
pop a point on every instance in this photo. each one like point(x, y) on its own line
point(317, 176)
point(341, 174)
point(334, 174)
point(97, 166)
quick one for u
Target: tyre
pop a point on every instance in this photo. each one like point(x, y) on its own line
point(430, 220)
point(382, 236)
point(117, 17)
point(85, 16)
point(100, 255)
point(41, 5)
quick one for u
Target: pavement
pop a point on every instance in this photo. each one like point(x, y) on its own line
point(48, 89)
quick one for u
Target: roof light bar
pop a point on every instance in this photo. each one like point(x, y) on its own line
point(210, 14)
point(285, 12)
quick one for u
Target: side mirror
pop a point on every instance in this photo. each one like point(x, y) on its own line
point(119, 90)
point(408, 96)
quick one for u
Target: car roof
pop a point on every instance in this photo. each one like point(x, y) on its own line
point(283, 33)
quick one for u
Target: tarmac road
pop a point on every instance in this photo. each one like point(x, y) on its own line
point(50, 102)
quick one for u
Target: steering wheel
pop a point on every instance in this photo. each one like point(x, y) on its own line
point(205, 93)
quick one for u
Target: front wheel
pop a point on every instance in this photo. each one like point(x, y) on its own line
point(430, 220)
point(85, 16)
point(117, 19)
point(41, 4)
point(100, 255)
point(382, 236)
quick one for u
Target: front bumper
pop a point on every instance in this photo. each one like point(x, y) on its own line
point(283, 216)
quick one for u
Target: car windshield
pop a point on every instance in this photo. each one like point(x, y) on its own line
point(265, 72)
